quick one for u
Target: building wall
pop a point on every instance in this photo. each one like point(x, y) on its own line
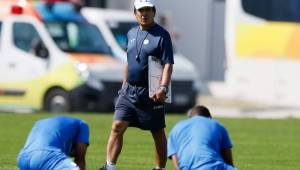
point(190, 19)
point(216, 45)
point(201, 28)
point(120, 4)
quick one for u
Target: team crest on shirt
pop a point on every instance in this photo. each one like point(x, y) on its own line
point(146, 42)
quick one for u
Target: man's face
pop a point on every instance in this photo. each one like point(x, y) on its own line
point(145, 16)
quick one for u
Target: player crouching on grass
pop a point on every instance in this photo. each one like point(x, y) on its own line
point(51, 142)
point(200, 143)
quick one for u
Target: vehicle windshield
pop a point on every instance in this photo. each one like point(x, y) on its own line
point(77, 37)
point(120, 29)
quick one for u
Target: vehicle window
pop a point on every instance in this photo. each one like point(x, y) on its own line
point(25, 36)
point(119, 30)
point(77, 37)
point(274, 10)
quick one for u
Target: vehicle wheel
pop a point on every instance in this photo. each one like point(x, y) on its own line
point(57, 100)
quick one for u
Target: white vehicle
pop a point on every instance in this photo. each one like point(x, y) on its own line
point(85, 43)
point(114, 25)
point(262, 45)
point(35, 74)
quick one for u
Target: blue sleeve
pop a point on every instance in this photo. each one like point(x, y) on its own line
point(226, 142)
point(172, 144)
point(167, 56)
point(84, 133)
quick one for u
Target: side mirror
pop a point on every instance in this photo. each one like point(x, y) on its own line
point(42, 52)
point(39, 49)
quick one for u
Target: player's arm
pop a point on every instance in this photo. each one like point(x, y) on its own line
point(227, 156)
point(160, 95)
point(175, 162)
point(167, 73)
point(80, 152)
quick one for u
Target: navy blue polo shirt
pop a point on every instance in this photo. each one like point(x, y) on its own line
point(155, 41)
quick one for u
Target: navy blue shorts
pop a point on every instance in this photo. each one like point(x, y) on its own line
point(135, 106)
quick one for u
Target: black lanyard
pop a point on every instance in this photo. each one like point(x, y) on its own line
point(138, 51)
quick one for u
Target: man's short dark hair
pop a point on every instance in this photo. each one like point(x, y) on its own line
point(199, 110)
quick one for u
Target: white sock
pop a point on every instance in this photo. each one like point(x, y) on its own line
point(157, 167)
point(110, 166)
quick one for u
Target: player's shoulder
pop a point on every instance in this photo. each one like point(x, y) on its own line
point(132, 30)
point(181, 124)
point(68, 120)
point(218, 124)
point(161, 30)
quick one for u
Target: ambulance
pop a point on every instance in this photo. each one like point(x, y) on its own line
point(114, 25)
point(40, 72)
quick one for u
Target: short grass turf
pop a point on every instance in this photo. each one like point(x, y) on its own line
point(258, 144)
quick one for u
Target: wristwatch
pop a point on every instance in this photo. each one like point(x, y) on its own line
point(164, 88)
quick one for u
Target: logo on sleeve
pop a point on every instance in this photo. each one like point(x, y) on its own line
point(132, 40)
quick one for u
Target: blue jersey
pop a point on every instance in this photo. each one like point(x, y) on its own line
point(144, 43)
point(58, 133)
point(197, 142)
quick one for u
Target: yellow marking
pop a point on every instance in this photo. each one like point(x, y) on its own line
point(268, 40)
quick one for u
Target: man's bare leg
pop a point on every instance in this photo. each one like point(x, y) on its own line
point(115, 141)
point(160, 148)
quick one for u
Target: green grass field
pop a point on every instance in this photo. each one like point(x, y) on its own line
point(258, 144)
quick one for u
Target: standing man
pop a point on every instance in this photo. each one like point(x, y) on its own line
point(200, 143)
point(134, 107)
point(51, 142)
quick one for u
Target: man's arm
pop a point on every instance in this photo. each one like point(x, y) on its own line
point(175, 162)
point(160, 95)
point(227, 156)
point(167, 73)
point(80, 152)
